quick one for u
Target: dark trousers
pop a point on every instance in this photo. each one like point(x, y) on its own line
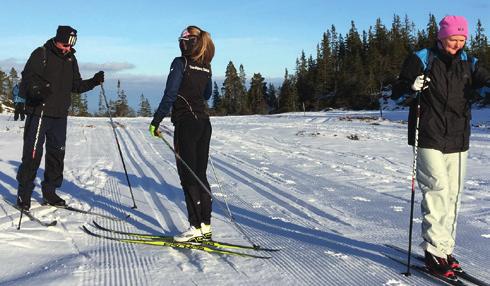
point(53, 132)
point(191, 142)
point(19, 110)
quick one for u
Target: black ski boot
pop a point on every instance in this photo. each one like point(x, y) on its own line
point(53, 199)
point(454, 264)
point(439, 266)
point(24, 202)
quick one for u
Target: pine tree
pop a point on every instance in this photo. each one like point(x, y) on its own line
point(233, 92)
point(325, 80)
point(481, 50)
point(287, 101)
point(122, 108)
point(3, 86)
point(144, 107)
point(74, 109)
point(352, 93)
point(217, 102)
point(84, 106)
point(479, 45)
point(304, 90)
point(428, 38)
point(257, 95)
point(244, 106)
point(102, 110)
point(271, 98)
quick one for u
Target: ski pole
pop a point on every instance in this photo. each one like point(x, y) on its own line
point(117, 142)
point(20, 219)
point(38, 132)
point(206, 189)
point(414, 175)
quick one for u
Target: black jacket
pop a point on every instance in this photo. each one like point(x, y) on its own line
point(62, 73)
point(188, 86)
point(445, 106)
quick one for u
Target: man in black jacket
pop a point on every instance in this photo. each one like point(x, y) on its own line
point(49, 77)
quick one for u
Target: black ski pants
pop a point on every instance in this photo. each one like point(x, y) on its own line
point(53, 132)
point(191, 142)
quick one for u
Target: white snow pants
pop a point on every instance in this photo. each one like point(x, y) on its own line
point(441, 179)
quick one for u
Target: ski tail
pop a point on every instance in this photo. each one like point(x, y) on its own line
point(30, 215)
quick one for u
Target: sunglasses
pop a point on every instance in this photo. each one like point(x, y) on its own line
point(187, 38)
point(66, 45)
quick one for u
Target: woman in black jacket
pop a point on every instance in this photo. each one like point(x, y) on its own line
point(188, 86)
point(444, 78)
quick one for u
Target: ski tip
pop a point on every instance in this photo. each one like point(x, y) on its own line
point(260, 248)
point(85, 229)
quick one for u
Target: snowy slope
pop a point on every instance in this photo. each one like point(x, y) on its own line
point(293, 181)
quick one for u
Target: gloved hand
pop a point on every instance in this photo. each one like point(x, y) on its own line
point(39, 91)
point(154, 129)
point(419, 83)
point(98, 77)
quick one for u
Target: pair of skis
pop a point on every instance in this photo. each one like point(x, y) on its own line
point(210, 246)
point(33, 218)
point(438, 278)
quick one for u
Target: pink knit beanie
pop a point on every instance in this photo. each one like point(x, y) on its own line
point(452, 25)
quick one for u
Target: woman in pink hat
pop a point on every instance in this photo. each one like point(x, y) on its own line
point(442, 79)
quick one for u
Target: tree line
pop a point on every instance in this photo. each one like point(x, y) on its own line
point(348, 71)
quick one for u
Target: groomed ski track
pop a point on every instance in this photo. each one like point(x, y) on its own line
point(293, 182)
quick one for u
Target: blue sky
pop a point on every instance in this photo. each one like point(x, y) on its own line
point(135, 41)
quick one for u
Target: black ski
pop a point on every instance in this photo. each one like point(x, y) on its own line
point(170, 238)
point(463, 275)
point(182, 245)
point(435, 277)
point(30, 215)
point(73, 209)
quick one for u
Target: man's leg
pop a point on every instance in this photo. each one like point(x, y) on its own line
point(28, 168)
point(55, 156)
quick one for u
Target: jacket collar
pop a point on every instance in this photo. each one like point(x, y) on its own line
point(49, 45)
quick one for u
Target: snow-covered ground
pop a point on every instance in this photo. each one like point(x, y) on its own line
point(293, 181)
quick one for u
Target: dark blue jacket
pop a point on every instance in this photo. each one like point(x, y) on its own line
point(175, 93)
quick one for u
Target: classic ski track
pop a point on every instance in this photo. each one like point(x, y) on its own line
point(115, 263)
point(137, 159)
point(284, 261)
point(142, 167)
point(288, 263)
point(281, 260)
point(349, 166)
point(311, 211)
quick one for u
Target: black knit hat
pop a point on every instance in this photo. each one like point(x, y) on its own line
point(66, 35)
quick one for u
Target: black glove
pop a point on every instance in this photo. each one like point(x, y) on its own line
point(39, 91)
point(98, 78)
